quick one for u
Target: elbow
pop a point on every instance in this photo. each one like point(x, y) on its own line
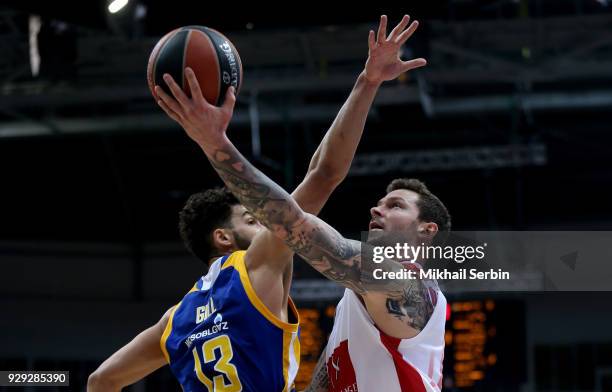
point(98, 381)
point(328, 177)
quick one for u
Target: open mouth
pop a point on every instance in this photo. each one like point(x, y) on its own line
point(375, 225)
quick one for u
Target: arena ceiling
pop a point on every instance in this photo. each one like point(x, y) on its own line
point(509, 123)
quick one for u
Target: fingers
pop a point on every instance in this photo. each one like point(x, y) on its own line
point(194, 87)
point(382, 29)
point(412, 64)
point(371, 40)
point(168, 111)
point(398, 35)
point(403, 37)
point(399, 28)
point(177, 91)
point(230, 100)
point(169, 102)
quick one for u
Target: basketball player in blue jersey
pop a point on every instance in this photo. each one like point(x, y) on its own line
point(237, 329)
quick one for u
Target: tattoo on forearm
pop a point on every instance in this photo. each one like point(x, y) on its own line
point(336, 257)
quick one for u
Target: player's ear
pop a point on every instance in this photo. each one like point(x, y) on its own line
point(428, 230)
point(222, 239)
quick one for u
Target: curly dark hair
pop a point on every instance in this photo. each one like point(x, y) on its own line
point(202, 214)
point(431, 209)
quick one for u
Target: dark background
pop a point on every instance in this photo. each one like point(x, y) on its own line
point(508, 124)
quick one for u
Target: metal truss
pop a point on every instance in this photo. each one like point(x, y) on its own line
point(500, 65)
point(484, 157)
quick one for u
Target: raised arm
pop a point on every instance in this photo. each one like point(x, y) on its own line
point(334, 154)
point(400, 307)
point(332, 160)
point(319, 244)
point(336, 257)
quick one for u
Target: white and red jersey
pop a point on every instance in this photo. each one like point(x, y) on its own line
point(360, 357)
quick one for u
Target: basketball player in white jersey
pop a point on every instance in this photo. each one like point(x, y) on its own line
point(390, 338)
point(388, 334)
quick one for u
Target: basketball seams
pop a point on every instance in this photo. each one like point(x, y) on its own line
point(152, 66)
point(209, 53)
point(186, 45)
point(207, 67)
point(218, 67)
point(170, 60)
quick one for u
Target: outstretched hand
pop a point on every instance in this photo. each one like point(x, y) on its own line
point(204, 123)
point(384, 62)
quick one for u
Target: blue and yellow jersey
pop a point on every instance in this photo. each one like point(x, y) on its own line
point(221, 337)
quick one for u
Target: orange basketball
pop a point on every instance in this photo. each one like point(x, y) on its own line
point(213, 58)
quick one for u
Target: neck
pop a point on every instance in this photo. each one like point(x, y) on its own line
point(214, 258)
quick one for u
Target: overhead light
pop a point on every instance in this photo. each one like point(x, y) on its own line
point(34, 28)
point(116, 5)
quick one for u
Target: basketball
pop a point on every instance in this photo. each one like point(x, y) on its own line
point(213, 58)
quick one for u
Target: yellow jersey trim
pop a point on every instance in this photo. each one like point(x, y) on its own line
point(236, 260)
point(166, 334)
point(291, 349)
point(297, 349)
point(286, 347)
point(168, 329)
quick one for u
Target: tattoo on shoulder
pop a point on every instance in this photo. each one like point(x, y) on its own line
point(415, 304)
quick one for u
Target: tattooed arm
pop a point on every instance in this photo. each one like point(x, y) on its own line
point(338, 258)
point(268, 259)
point(399, 307)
